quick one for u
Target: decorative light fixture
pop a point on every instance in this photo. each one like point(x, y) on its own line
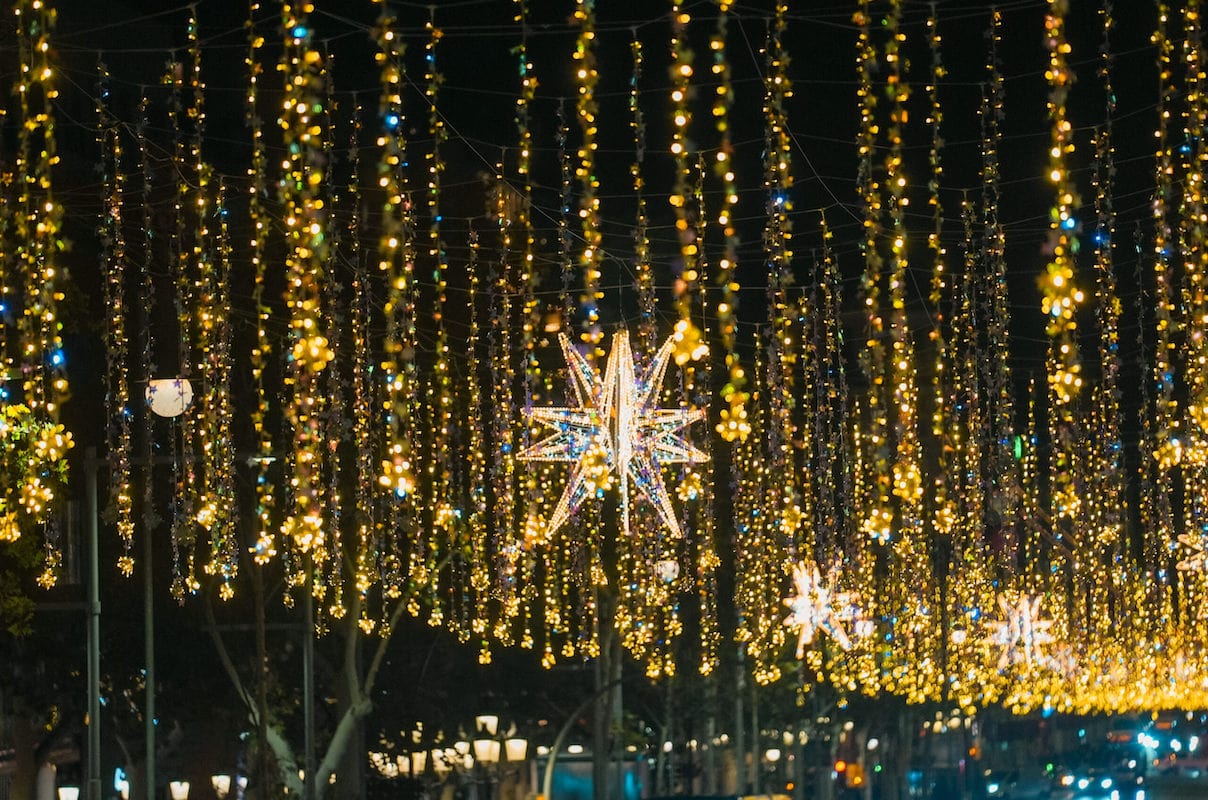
point(486, 751)
point(221, 784)
point(486, 723)
point(615, 434)
point(169, 397)
point(516, 749)
point(178, 790)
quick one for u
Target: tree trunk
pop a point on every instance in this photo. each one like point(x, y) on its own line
point(607, 714)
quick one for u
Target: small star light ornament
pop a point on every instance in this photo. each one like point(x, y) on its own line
point(1197, 558)
point(614, 436)
point(1022, 632)
point(816, 606)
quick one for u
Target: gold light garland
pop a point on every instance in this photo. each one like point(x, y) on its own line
point(1061, 296)
point(307, 245)
point(36, 434)
point(733, 423)
point(119, 440)
point(586, 110)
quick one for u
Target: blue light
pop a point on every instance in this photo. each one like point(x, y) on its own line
point(299, 32)
point(392, 121)
point(57, 358)
point(1069, 223)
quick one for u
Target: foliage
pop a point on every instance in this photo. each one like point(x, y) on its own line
point(33, 468)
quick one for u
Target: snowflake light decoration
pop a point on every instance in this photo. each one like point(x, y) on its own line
point(1197, 558)
point(816, 606)
point(614, 435)
point(1022, 632)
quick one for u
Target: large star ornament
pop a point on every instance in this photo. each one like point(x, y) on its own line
point(816, 607)
point(614, 434)
point(1022, 632)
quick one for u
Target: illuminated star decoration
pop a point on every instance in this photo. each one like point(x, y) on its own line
point(816, 607)
point(1022, 633)
point(614, 434)
point(1197, 558)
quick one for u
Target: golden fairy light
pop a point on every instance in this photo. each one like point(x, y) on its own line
point(305, 217)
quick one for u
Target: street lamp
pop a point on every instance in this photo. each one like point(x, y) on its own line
point(178, 790)
point(221, 784)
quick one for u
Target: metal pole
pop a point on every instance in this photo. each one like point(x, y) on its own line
point(309, 789)
point(149, 654)
point(94, 631)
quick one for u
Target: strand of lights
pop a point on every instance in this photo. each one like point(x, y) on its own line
point(1194, 295)
point(996, 366)
point(872, 485)
point(647, 326)
point(914, 631)
point(833, 537)
point(689, 344)
point(396, 262)
point(39, 218)
point(707, 560)
point(586, 109)
point(224, 538)
point(364, 433)
point(38, 221)
point(187, 484)
point(1060, 301)
point(1061, 297)
point(783, 498)
point(944, 517)
point(1160, 423)
point(759, 566)
point(265, 546)
point(733, 423)
point(502, 208)
point(146, 305)
point(327, 582)
point(972, 571)
point(446, 516)
point(479, 479)
point(516, 559)
point(202, 428)
point(119, 444)
point(566, 192)
point(305, 221)
point(1101, 549)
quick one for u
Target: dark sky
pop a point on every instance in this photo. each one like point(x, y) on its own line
point(137, 39)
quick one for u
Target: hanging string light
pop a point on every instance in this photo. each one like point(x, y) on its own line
point(219, 442)
point(305, 220)
point(517, 561)
point(365, 435)
point(647, 328)
point(996, 366)
point(396, 262)
point(733, 422)
point(872, 483)
point(265, 546)
point(1101, 548)
point(784, 498)
point(119, 442)
point(35, 444)
point(689, 344)
point(187, 483)
point(586, 110)
point(1061, 297)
